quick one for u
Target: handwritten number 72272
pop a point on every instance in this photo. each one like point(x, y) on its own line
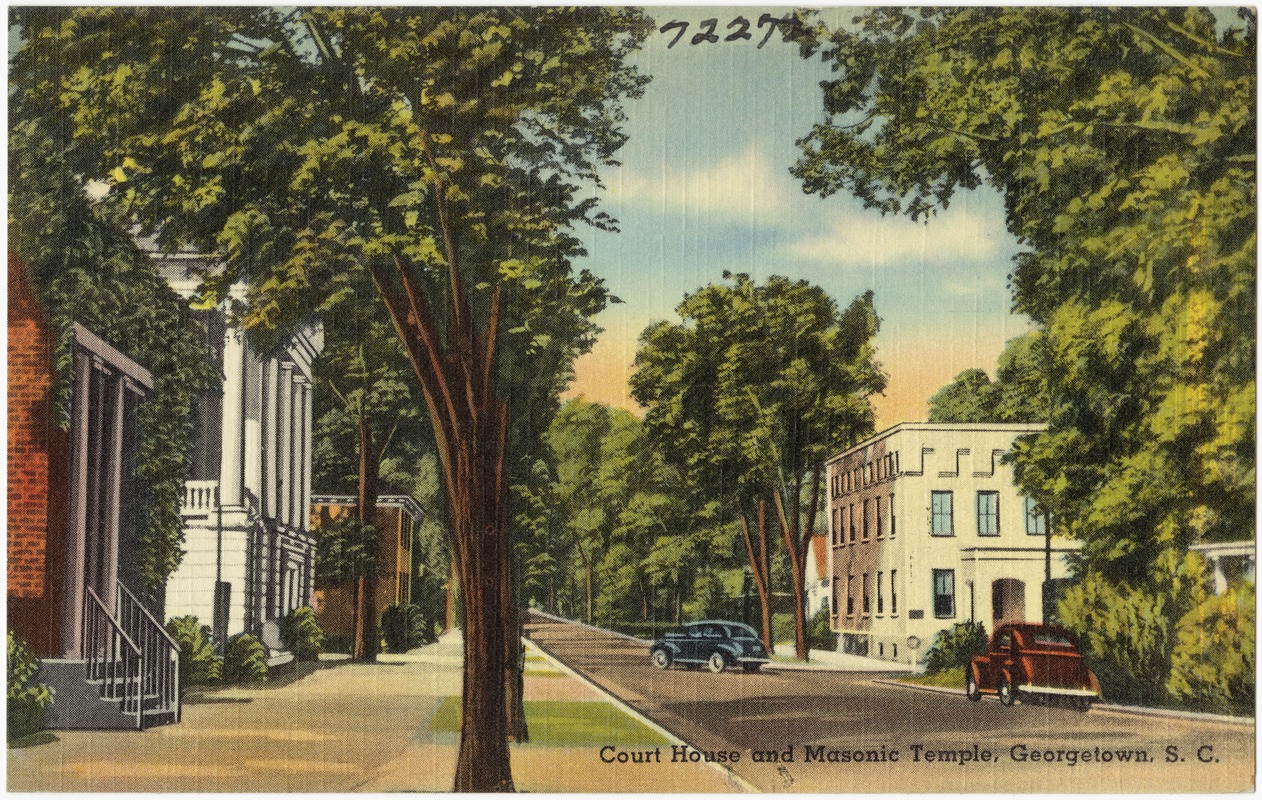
point(741, 25)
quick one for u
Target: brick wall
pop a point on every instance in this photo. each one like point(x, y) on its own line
point(38, 451)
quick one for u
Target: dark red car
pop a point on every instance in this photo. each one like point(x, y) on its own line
point(1027, 659)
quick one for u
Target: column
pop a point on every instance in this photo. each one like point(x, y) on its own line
point(284, 425)
point(72, 595)
point(304, 523)
point(253, 437)
point(271, 419)
point(1220, 576)
point(233, 394)
point(114, 457)
point(295, 453)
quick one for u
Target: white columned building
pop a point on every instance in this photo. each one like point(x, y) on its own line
point(249, 554)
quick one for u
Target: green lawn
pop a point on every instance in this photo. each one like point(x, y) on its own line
point(565, 722)
point(953, 678)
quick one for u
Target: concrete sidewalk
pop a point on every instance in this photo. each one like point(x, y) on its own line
point(344, 727)
point(827, 660)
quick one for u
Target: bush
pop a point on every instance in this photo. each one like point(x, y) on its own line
point(1213, 662)
point(245, 659)
point(200, 665)
point(819, 634)
point(405, 627)
point(301, 634)
point(27, 699)
point(1125, 635)
point(338, 643)
point(952, 648)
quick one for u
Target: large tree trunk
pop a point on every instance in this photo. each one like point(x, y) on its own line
point(757, 565)
point(797, 543)
point(470, 424)
point(367, 637)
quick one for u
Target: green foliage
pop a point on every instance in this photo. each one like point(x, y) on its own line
point(86, 269)
point(819, 634)
point(301, 634)
point(1213, 666)
point(244, 659)
point(200, 665)
point(953, 647)
point(1126, 635)
point(405, 627)
point(346, 550)
point(27, 699)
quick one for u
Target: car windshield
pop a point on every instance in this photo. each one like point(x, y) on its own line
point(743, 632)
point(1051, 639)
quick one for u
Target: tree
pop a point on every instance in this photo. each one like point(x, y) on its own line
point(1122, 141)
point(362, 381)
point(751, 393)
point(439, 151)
point(1016, 395)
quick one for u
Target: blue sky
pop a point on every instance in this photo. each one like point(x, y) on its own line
point(704, 187)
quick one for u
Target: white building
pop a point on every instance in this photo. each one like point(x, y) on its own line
point(817, 578)
point(249, 554)
point(928, 529)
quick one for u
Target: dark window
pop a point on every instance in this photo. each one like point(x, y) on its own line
point(850, 596)
point(880, 593)
point(867, 601)
point(988, 513)
point(867, 517)
point(1035, 520)
point(941, 507)
point(850, 514)
point(944, 593)
point(893, 526)
point(893, 591)
point(836, 526)
point(880, 530)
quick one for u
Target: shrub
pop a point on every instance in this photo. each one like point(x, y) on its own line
point(1214, 654)
point(301, 634)
point(1125, 635)
point(338, 643)
point(952, 648)
point(245, 659)
point(819, 634)
point(27, 699)
point(403, 627)
point(200, 665)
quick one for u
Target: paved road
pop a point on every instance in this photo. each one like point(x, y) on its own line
point(876, 738)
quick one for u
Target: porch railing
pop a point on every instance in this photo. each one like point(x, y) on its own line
point(112, 658)
point(199, 497)
point(161, 673)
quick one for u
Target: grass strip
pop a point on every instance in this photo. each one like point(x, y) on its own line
point(570, 723)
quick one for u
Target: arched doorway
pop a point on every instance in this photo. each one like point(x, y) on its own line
point(1007, 599)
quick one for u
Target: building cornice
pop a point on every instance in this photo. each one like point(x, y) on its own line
point(941, 427)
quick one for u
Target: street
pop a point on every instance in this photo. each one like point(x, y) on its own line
point(822, 731)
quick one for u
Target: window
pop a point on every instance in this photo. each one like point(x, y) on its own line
point(893, 591)
point(867, 473)
point(880, 530)
point(850, 514)
point(893, 527)
point(880, 593)
point(836, 526)
point(867, 601)
point(944, 593)
point(836, 607)
point(850, 596)
point(867, 516)
point(941, 506)
point(1035, 520)
point(988, 513)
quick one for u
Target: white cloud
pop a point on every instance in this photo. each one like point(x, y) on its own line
point(741, 186)
point(974, 285)
point(869, 240)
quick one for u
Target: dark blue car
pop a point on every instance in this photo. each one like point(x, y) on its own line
point(715, 643)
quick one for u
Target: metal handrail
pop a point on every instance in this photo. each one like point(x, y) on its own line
point(110, 654)
point(161, 676)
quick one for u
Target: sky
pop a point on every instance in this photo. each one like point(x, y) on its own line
point(704, 187)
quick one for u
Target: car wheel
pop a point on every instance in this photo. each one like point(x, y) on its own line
point(971, 690)
point(661, 659)
point(1083, 704)
point(752, 667)
point(717, 662)
point(1007, 693)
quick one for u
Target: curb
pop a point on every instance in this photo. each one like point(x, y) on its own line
point(740, 783)
point(555, 618)
point(1107, 708)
